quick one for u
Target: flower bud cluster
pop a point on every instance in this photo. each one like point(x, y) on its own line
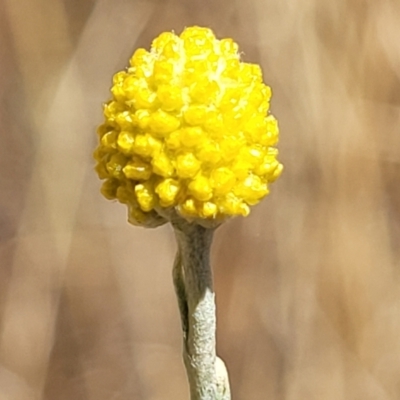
point(188, 128)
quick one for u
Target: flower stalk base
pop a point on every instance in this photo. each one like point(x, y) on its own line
point(207, 375)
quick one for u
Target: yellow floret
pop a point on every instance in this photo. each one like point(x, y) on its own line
point(187, 165)
point(144, 98)
point(102, 171)
point(125, 121)
point(222, 180)
point(137, 169)
point(116, 164)
point(232, 205)
point(209, 152)
point(251, 190)
point(109, 140)
point(162, 165)
point(138, 58)
point(146, 145)
point(191, 136)
point(195, 114)
point(188, 208)
point(204, 90)
point(126, 141)
point(142, 118)
point(109, 188)
point(228, 47)
point(163, 40)
point(145, 196)
point(170, 97)
point(163, 72)
point(167, 191)
point(126, 193)
point(162, 123)
point(197, 40)
point(188, 130)
point(131, 85)
point(209, 210)
point(173, 141)
point(200, 188)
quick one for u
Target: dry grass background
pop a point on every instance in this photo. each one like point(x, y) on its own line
point(308, 287)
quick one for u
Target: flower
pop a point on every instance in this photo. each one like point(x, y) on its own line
point(188, 129)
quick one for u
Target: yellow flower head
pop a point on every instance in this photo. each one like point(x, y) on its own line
point(188, 131)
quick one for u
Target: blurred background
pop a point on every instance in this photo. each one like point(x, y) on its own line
point(308, 286)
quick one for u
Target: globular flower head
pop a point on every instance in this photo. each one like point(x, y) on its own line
point(188, 131)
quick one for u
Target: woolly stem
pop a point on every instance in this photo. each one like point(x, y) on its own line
point(207, 375)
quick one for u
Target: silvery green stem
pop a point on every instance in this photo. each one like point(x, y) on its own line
point(207, 375)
